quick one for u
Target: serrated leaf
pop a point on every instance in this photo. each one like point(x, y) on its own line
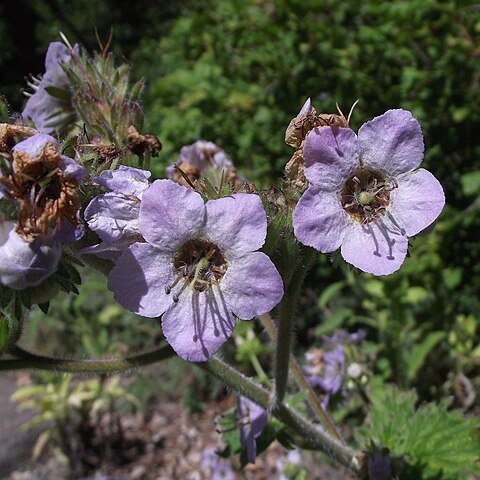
point(433, 440)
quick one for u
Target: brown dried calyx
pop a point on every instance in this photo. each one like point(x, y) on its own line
point(45, 194)
point(8, 133)
point(297, 130)
point(140, 143)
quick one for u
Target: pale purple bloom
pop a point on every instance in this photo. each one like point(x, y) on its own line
point(342, 337)
point(252, 419)
point(220, 468)
point(203, 155)
point(113, 216)
point(367, 194)
point(46, 111)
point(24, 264)
point(326, 369)
point(198, 267)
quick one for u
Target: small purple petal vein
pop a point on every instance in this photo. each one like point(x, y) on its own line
point(198, 268)
point(367, 194)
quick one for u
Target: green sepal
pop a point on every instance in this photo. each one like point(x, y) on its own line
point(59, 93)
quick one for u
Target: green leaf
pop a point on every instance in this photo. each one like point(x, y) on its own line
point(3, 333)
point(419, 353)
point(58, 93)
point(435, 442)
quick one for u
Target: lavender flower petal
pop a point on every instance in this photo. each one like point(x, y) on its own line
point(252, 285)
point(253, 420)
point(237, 224)
point(198, 324)
point(139, 278)
point(112, 217)
point(126, 180)
point(170, 214)
point(41, 107)
point(392, 143)
point(378, 248)
point(34, 146)
point(330, 156)
point(417, 201)
point(24, 264)
point(319, 220)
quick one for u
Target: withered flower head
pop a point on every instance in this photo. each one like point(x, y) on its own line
point(299, 127)
point(44, 183)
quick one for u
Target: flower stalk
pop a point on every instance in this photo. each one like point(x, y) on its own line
point(27, 360)
point(285, 324)
point(296, 370)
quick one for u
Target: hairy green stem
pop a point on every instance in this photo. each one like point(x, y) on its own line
point(296, 369)
point(28, 360)
point(312, 437)
point(285, 324)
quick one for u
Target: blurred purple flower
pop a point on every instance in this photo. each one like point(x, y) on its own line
point(201, 155)
point(24, 264)
point(326, 369)
point(46, 111)
point(198, 268)
point(220, 468)
point(113, 216)
point(367, 195)
point(342, 337)
point(252, 419)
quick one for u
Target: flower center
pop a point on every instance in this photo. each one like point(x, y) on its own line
point(366, 195)
point(199, 264)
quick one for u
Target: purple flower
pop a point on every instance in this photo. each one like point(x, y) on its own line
point(367, 195)
point(343, 337)
point(220, 468)
point(113, 216)
point(326, 369)
point(379, 465)
point(252, 420)
point(24, 264)
point(47, 112)
point(198, 267)
point(203, 159)
point(44, 182)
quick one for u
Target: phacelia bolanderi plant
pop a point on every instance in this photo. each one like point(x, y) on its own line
point(199, 268)
point(367, 194)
